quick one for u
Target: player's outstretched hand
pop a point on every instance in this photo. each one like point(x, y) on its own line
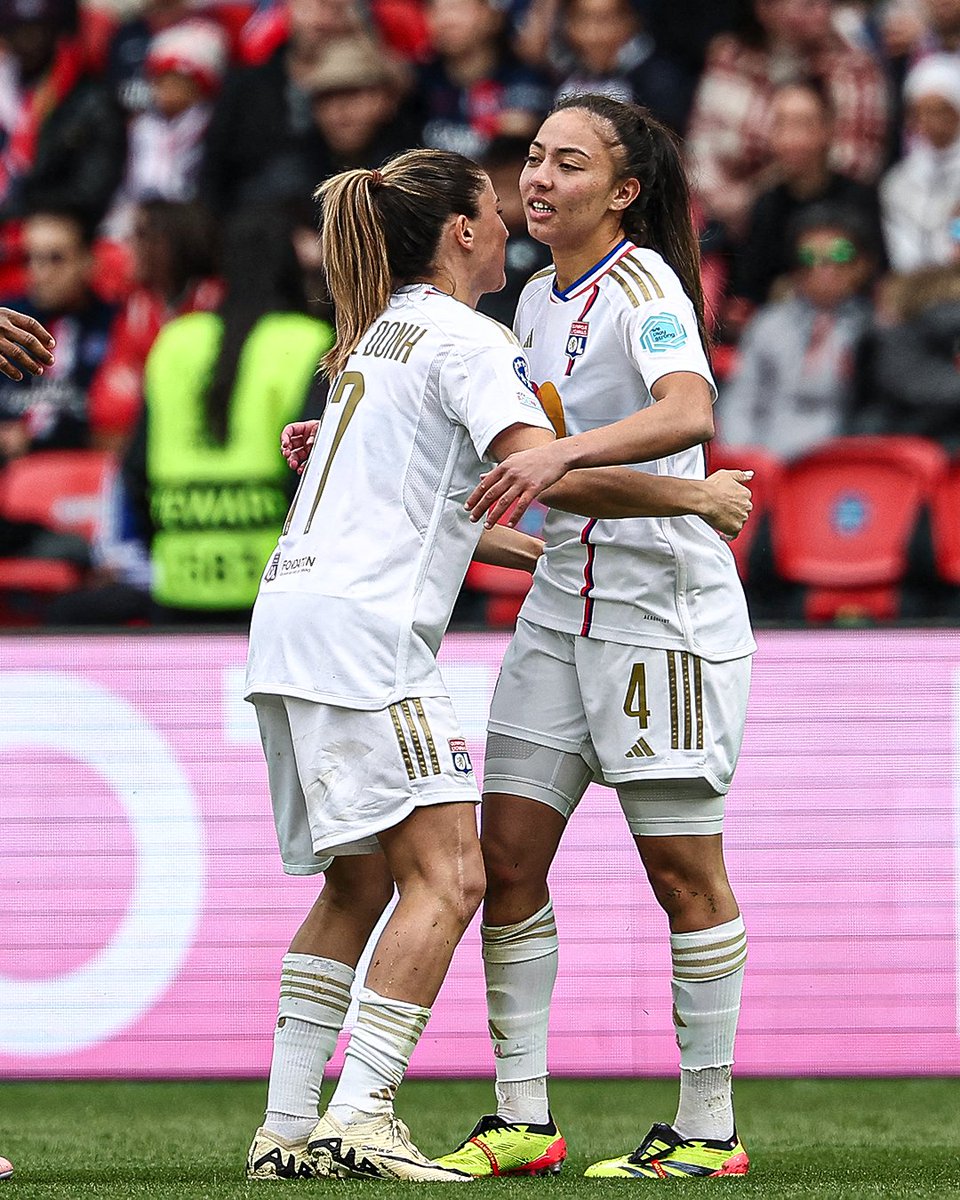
point(517, 481)
point(728, 501)
point(296, 442)
point(24, 345)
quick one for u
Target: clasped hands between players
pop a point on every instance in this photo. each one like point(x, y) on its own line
point(722, 500)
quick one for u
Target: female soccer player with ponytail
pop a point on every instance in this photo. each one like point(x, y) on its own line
point(631, 661)
point(368, 771)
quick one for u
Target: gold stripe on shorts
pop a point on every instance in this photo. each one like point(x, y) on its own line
point(414, 737)
point(698, 698)
point(404, 749)
point(687, 702)
point(431, 746)
point(674, 720)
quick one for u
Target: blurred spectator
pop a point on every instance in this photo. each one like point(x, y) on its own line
point(175, 272)
point(475, 88)
point(61, 135)
point(503, 162)
point(919, 194)
point(912, 377)
point(257, 143)
point(794, 383)
point(400, 23)
point(355, 95)
point(728, 139)
point(801, 133)
point(51, 411)
point(606, 49)
point(184, 68)
point(204, 471)
point(126, 67)
point(684, 31)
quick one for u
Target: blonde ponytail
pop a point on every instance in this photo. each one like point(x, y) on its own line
point(381, 229)
point(355, 259)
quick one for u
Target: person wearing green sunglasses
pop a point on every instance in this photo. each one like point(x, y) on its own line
point(793, 386)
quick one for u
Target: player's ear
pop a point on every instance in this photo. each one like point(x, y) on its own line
point(463, 232)
point(625, 193)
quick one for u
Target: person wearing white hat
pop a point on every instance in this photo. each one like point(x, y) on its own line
point(184, 69)
point(919, 193)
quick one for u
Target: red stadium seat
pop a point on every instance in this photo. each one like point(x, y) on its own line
point(842, 518)
point(62, 490)
point(945, 513)
point(766, 469)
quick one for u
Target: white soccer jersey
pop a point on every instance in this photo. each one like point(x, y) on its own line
point(355, 600)
point(595, 351)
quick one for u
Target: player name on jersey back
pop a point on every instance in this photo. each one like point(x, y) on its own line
point(359, 591)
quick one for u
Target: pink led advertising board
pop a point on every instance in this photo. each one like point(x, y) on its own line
point(143, 911)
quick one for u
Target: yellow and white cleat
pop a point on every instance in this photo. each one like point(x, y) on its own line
point(497, 1147)
point(664, 1154)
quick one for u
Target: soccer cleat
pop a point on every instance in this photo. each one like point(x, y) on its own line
point(273, 1157)
point(378, 1148)
point(664, 1154)
point(498, 1147)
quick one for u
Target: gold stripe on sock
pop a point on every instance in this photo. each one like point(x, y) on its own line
point(686, 951)
point(695, 977)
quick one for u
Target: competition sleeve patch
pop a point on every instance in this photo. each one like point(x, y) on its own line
point(661, 332)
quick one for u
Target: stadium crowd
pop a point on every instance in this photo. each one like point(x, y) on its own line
point(157, 162)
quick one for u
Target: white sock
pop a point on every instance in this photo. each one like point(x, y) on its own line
point(314, 997)
point(377, 1055)
point(708, 967)
point(520, 965)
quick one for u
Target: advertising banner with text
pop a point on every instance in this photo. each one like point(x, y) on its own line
point(144, 913)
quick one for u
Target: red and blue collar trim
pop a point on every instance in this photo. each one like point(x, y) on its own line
point(596, 271)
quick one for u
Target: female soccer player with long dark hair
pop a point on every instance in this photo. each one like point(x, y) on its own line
point(369, 775)
point(634, 639)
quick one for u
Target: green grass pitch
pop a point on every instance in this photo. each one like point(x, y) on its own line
point(829, 1139)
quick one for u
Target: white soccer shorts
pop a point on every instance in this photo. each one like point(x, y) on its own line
point(339, 776)
point(662, 727)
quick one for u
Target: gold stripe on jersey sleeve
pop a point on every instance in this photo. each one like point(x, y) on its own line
point(687, 702)
point(657, 289)
point(431, 746)
point(402, 741)
point(674, 724)
point(628, 291)
point(414, 737)
point(541, 274)
point(628, 269)
point(698, 698)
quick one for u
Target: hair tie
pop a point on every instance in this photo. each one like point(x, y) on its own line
point(376, 178)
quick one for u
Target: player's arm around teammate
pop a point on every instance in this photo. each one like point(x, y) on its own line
point(630, 663)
